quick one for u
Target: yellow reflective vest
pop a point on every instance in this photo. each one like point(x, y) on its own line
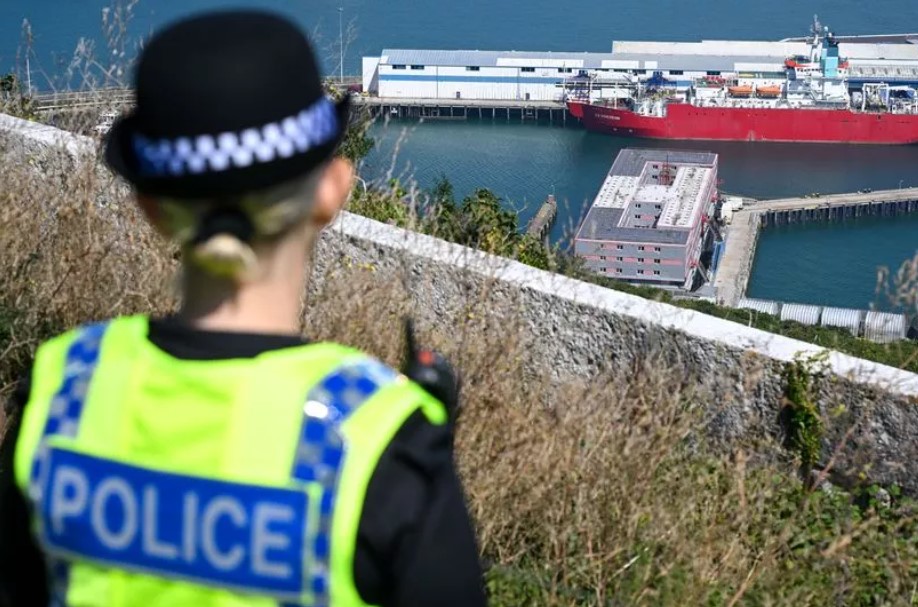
point(164, 482)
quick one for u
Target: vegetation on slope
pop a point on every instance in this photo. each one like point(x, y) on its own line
point(582, 494)
point(587, 493)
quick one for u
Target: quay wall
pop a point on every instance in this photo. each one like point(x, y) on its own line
point(839, 212)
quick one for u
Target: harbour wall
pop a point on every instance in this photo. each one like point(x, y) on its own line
point(732, 278)
point(575, 331)
point(839, 212)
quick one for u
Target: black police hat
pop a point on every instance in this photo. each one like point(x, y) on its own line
point(227, 103)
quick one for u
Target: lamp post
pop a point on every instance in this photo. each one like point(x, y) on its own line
point(341, 39)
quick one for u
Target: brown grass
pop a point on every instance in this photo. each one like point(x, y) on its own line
point(585, 493)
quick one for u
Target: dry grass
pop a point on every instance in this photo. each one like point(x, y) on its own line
point(583, 494)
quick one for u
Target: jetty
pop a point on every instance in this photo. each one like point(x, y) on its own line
point(463, 109)
point(541, 224)
point(516, 110)
point(113, 98)
point(735, 267)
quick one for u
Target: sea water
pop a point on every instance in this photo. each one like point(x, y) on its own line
point(830, 263)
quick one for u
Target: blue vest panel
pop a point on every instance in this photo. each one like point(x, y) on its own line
point(245, 537)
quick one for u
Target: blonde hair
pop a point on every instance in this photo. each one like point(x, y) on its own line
point(226, 256)
point(272, 213)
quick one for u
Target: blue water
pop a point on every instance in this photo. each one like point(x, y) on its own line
point(829, 263)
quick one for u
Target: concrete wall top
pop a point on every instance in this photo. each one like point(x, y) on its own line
point(45, 136)
point(692, 323)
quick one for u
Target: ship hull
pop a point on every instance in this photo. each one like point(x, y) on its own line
point(687, 122)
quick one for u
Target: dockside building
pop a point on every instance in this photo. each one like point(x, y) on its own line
point(540, 76)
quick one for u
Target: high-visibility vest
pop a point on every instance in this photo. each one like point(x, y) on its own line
point(164, 482)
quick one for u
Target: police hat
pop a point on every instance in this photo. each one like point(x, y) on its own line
point(227, 103)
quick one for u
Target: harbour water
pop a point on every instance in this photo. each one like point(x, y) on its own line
point(828, 263)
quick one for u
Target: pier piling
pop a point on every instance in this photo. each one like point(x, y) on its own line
point(544, 220)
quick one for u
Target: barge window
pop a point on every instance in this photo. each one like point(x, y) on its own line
point(417, 67)
point(528, 69)
point(676, 72)
point(472, 68)
point(714, 73)
point(565, 70)
point(398, 67)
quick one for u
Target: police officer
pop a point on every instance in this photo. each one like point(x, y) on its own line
point(214, 457)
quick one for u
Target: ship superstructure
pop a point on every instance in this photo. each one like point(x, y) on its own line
point(810, 100)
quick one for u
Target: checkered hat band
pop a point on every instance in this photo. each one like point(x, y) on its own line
point(311, 128)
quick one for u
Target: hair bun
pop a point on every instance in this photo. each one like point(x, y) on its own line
point(226, 256)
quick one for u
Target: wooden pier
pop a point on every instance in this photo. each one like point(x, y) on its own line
point(464, 109)
point(77, 101)
point(838, 207)
point(544, 220)
point(113, 98)
point(519, 110)
point(742, 235)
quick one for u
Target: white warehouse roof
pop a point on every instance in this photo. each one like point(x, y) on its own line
point(759, 305)
point(843, 318)
point(885, 327)
point(462, 58)
point(723, 55)
point(774, 50)
point(802, 313)
point(591, 61)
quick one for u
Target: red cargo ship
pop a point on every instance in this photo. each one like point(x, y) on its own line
point(811, 125)
point(812, 104)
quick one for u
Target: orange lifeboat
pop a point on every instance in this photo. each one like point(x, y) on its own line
point(798, 62)
point(741, 91)
point(768, 91)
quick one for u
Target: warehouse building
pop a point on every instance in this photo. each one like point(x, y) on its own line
point(419, 74)
point(649, 219)
point(538, 76)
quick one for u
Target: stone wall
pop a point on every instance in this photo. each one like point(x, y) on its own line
point(579, 330)
point(576, 331)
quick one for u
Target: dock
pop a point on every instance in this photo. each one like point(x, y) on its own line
point(77, 101)
point(735, 266)
point(462, 109)
point(109, 98)
point(838, 207)
point(544, 220)
point(742, 235)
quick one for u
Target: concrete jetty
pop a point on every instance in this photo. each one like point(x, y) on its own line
point(541, 224)
point(739, 253)
point(742, 235)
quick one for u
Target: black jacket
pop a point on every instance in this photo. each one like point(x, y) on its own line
point(415, 542)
